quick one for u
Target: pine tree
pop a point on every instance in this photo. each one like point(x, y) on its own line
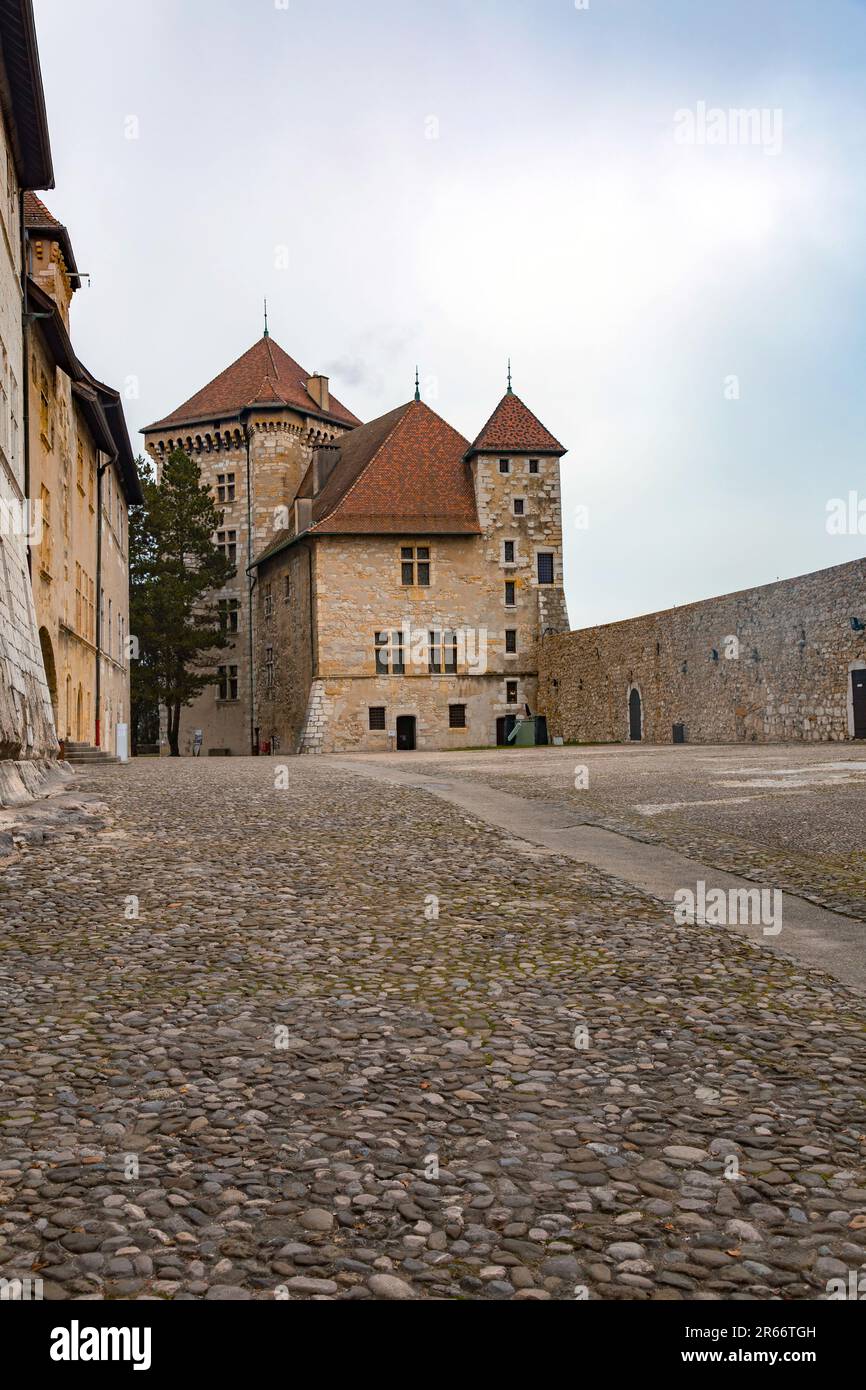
point(174, 566)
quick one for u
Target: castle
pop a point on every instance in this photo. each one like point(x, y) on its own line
point(393, 580)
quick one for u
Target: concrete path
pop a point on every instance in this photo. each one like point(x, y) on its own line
point(827, 940)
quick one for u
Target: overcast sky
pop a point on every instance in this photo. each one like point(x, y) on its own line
point(454, 182)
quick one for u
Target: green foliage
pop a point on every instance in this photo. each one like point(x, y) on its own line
point(173, 568)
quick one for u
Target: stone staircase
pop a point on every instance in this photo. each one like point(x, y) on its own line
point(77, 753)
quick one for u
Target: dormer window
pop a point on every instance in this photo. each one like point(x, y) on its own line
point(505, 465)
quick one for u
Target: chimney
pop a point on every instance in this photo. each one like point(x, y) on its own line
point(317, 385)
point(303, 514)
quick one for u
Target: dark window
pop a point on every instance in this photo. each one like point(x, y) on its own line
point(533, 465)
point(228, 615)
point(442, 653)
point(287, 589)
point(225, 487)
point(511, 692)
point(545, 567)
point(518, 506)
point(509, 552)
point(415, 564)
point(377, 716)
point(227, 542)
point(269, 668)
point(389, 653)
point(228, 682)
point(457, 716)
point(509, 593)
point(504, 466)
point(511, 639)
point(268, 596)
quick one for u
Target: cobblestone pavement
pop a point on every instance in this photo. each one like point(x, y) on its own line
point(789, 817)
point(355, 1046)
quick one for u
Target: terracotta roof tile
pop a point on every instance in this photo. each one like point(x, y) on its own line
point(265, 374)
point(403, 474)
point(38, 220)
point(513, 429)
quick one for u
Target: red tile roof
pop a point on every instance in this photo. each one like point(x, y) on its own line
point(403, 474)
point(39, 221)
point(264, 375)
point(513, 429)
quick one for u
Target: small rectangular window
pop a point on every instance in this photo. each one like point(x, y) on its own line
point(377, 716)
point(511, 692)
point(518, 506)
point(545, 567)
point(504, 466)
point(508, 556)
point(268, 596)
point(457, 716)
point(269, 668)
point(509, 593)
point(415, 564)
point(533, 465)
point(287, 588)
point(511, 639)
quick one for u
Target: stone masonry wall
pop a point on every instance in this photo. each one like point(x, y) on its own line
point(769, 664)
point(26, 723)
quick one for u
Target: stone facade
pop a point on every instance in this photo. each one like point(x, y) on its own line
point(281, 441)
point(771, 664)
point(322, 600)
point(26, 724)
point(80, 569)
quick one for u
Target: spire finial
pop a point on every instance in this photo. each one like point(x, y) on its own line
point(417, 386)
point(509, 377)
point(267, 334)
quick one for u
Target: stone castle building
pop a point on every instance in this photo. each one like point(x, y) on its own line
point(402, 606)
point(66, 466)
point(784, 662)
point(27, 737)
point(252, 431)
point(83, 475)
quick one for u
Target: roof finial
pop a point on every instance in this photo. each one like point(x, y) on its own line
point(509, 377)
point(267, 334)
point(417, 386)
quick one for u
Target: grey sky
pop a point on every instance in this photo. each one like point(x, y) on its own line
point(454, 182)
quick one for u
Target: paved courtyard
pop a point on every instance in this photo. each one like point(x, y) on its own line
point(311, 1033)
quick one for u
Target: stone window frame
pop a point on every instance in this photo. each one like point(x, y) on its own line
point(228, 607)
point(512, 541)
point(377, 710)
point(534, 466)
point(268, 600)
point(270, 667)
point(228, 684)
point(509, 686)
point(390, 654)
point(227, 542)
point(545, 554)
point(415, 559)
point(442, 652)
point(512, 633)
point(511, 587)
point(225, 487)
point(453, 708)
point(505, 466)
point(518, 506)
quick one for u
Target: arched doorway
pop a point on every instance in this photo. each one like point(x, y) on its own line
point(68, 707)
point(635, 716)
point(50, 672)
point(79, 716)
